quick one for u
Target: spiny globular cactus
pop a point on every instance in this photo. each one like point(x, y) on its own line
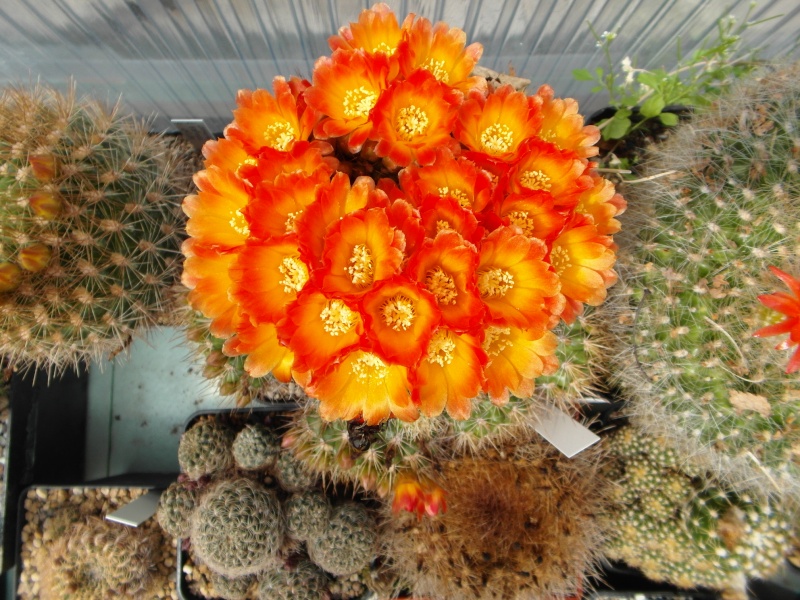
point(90, 228)
point(724, 207)
point(175, 508)
point(307, 514)
point(256, 447)
point(232, 588)
point(304, 582)
point(347, 544)
point(205, 448)
point(673, 523)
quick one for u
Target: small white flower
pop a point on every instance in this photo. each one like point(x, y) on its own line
point(627, 68)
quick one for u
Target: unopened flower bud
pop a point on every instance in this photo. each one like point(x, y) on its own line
point(43, 165)
point(44, 205)
point(10, 276)
point(35, 257)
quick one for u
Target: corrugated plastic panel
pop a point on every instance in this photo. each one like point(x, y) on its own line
point(186, 59)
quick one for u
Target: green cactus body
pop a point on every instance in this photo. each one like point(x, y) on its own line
point(232, 588)
point(238, 528)
point(304, 582)
point(175, 509)
point(90, 227)
point(307, 514)
point(348, 542)
point(256, 447)
point(727, 208)
point(680, 529)
point(293, 474)
point(205, 448)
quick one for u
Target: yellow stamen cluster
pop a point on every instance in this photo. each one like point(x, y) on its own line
point(495, 282)
point(337, 318)
point(442, 225)
point(535, 180)
point(247, 161)
point(239, 224)
point(521, 219)
point(441, 285)
point(291, 220)
point(398, 312)
point(441, 348)
point(456, 195)
point(369, 366)
point(279, 135)
point(295, 274)
point(411, 122)
point(560, 259)
point(497, 138)
point(383, 47)
point(437, 69)
point(361, 266)
point(358, 102)
point(496, 340)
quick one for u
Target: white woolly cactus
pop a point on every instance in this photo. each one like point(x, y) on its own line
point(723, 207)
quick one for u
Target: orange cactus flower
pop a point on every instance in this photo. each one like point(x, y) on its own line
point(534, 214)
point(602, 204)
point(446, 267)
point(563, 126)
point(303, 157)
point(376, 32)
point(362, 384)
point(413, 118)
point(275, 209)
point(406, 220)
point(360, 250)
point(448, 177)
point(496, 126)
point(266, 121)
point(206, 274)
point(583, 261)
point(514, 280)
point(265, 354)
point(400, 317)
point(228, 155)
point(442, 51)
point(346, 87)
point(544, 169)
point(268, 276)
point(216, 212)
point(45, 205)
point(516, 358)
point(319, 329)
point(445, 214)
point(789, 305)
point(418, 495)
point(450, 374)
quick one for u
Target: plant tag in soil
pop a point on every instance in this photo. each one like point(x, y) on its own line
point(565, 433)
point(137, 512)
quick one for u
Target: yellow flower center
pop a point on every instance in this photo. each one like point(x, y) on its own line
point(441, 348)
point(535, 180)
point(497, 138)
point(360, 269)
point(239, 224)
point(383, 47)
point(442, 225)
point(560, 259)
point(411, 122)
point(295, 274)
point(358, 102)
point(337, 318)
point(279, 135)
point(398, 312)
point(369, 366)
point(456, 195)
point(495, 282)
point(291, 220)
point(496, 339)
point(441, 285)
point(521, 219)
point(247, 161)
point(436, 68)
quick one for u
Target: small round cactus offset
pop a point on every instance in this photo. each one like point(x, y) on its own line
point(175, 508)
point(238, 528)
point(205, 448)
point(304, 582)
point(89, 227)
point(256, 447)
point(293, 475)
point(347, 544)
point(724, 211)
point(232, 588)
point(307, 514)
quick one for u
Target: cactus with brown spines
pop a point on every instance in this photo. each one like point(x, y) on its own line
point(292, 474)
point(232, 588)
point(205, 448)
point(306, 581)
point(175, 508)
point(256, 447)
point(347, 543)
point(722, 206)
point(90, 227)
point(307, 514)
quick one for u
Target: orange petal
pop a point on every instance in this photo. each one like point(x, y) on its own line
point(264, 352)
point(206, 272)
point(216, 212)
point(516, 358)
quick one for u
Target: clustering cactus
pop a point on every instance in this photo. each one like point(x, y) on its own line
point(89, 227)
point(680, 528)
point(292, 474)
point(175, 508)
point(238, 528)
point(205, 448)
point(348, 542)
point(307, 514)
point(256, 447)
point(304, 582)
point(724, 207)
point(232, 588)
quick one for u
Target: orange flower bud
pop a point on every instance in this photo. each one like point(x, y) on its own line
point(35, 257)
point(44, 205)
point(409, 496)
point(435, 501)
point(10, 275)
point(43, 165)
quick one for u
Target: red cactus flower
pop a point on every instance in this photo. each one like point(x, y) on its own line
point(789, 305)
